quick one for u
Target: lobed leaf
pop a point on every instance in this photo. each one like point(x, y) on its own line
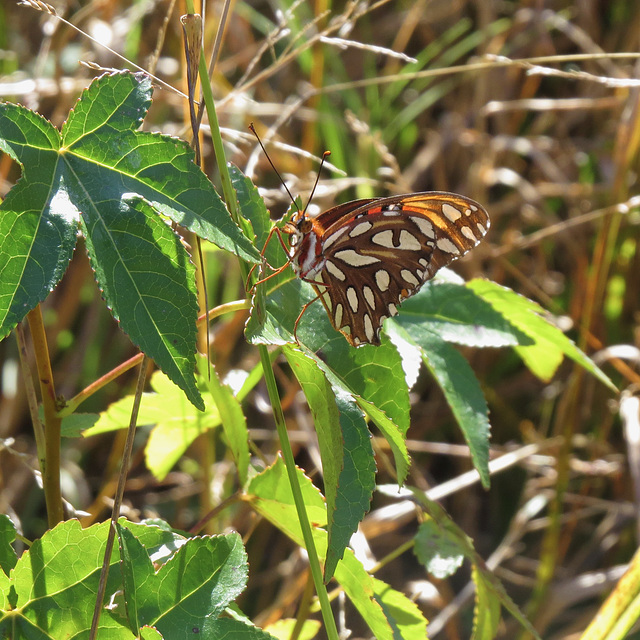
point(121, 186)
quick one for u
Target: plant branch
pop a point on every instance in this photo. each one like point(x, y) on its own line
point(117, 500)
point(52, 422)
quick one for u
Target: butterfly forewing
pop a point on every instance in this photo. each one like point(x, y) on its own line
point(367, 256)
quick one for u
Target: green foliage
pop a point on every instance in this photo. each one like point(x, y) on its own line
point(270, 494)
point(51, 590)
point(117, 184)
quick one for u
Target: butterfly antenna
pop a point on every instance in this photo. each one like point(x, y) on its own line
point(273, 166)
point(325, 155)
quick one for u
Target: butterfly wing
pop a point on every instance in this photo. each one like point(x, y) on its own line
point(377, 253)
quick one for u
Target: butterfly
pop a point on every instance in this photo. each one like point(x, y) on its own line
point(365, 257)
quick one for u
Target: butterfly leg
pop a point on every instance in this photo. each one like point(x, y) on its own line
point(306, 306)
point(315, 284)
point(251, 288)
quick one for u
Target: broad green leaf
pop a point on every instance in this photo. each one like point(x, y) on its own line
point(159, 539)
point(234, 423)
point(487, 611)
point(101, 131)
point(77, 424)
point(326, 417)
point(547, 346)
point(458, 315)
point(347, 456)
point(254, 211)
point(177, 422)
point(52, 589)
point(147, 280)
point(262, 326)
point(404, 615)
point(374, 376)
point(137, 570)
point(191, 589)
point(433, 548)
point(272, 319)
point(389, 613)
point(7, 536)
point(463, 393)
point(282, 629)
point(54, 584)
point(99, 172)
point(149, 633)
point(270, 494)
point(38, 220)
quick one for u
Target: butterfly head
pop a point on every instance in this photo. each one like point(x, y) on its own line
point(297, 228)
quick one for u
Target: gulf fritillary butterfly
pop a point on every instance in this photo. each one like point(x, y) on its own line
point(363, 258)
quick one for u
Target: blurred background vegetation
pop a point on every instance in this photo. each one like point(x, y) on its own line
point(407, 96)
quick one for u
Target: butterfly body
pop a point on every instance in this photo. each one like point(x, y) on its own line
point(363, 258)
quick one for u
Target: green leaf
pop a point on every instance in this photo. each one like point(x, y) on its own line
point(272, 319)
point(434, 549)
point(254, 211)
point(492, 592)
point(233, 421)
point(137, 570)
point(547, 344)
point(262, 327)
point(38, 220)
point(458, 315)
point(76, 424)
point(462, 392)
point(372, 375)
point(270, 494)
point(283, 628)
point(375, 377)
point(345, 448)
point(159, 539)
point(54, 584)
point(101, 131)
point(191, 589)
point(8, 557)
point(52, 589)
point(149, 633)
point(101, 173)
point(177, 423)
point(487, 610)
point(405, 616)
point(148, 283)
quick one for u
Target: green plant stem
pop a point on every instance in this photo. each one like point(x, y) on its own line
point(307, 534)
point(216, 138)
point(232, 204)
point(32, 398)
point(52, 423)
